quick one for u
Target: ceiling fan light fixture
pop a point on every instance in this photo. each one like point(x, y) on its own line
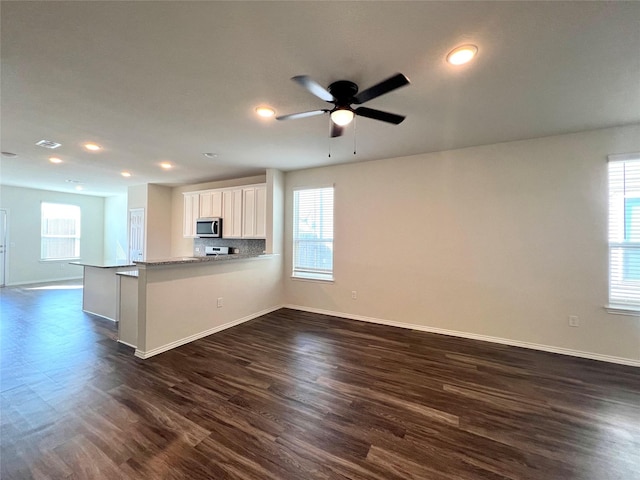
point(342, 116)
point(462, 54)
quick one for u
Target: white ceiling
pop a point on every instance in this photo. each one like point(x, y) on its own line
point(167, 81)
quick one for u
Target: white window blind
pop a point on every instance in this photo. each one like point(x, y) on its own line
point(60, 231)
point(624, 231)
point(313, 233)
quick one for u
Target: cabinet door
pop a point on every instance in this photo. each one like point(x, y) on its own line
point(254, 212)
point(248, 212)
point(191, 214)
point(232, 213)
point(211, 204)
point(261, 212)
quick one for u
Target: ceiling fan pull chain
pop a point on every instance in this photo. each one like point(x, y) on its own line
point(330, 127)
point(355, 124)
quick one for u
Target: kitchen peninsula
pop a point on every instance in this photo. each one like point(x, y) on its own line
point(100, 288)
point(182, 299)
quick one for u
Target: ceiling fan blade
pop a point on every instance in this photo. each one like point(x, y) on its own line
point(293, 116)
point(379, 115)
point(336, 130)
point(314, 87)
point(397, 81)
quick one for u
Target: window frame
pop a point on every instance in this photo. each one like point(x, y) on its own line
point(44, 235)
point(309, 274)
point(618, 243)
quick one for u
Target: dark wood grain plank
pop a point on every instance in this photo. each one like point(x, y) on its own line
point(296, 396)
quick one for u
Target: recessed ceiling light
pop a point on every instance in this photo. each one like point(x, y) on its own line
point(55, 160)
point(166, 165)
point(79, 187)
point(266, 112)
point(211, 155)
point(48, 144)
point(462, 54)
point(124, 173)
point(94, 147)
point(9, 154)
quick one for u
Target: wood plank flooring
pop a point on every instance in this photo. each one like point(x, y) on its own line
point(300, 396)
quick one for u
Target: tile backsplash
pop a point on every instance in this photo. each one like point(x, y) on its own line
point(244, 246)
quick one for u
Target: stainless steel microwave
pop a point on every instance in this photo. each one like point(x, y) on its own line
point(209, 227)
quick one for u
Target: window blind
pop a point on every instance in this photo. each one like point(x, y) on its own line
point(313, 233)
point(624, 231)
point(60, 231)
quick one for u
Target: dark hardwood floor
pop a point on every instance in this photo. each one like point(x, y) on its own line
point(300, 396)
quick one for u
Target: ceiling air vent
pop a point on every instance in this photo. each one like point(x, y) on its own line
point(48, 144)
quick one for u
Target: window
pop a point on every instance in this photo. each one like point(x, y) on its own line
point(313, 233)
point(60, 231)
point(624, 230)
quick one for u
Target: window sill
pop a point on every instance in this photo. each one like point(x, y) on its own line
point(631, 310)
point(312, 279)
point(60, 260)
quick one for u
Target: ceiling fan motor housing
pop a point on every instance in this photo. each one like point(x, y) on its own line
point(343, 91)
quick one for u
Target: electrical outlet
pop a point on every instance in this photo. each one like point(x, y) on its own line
point(197, 249)
point(220, 302)
point(354, 294)
point(574, 321)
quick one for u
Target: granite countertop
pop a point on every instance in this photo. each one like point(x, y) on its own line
point(200, 260)
point(128, 273)
point(104, 265)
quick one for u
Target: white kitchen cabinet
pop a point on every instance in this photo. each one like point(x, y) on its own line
point(254, 211)
point(191, 214)
point(232, 213)
point(211, 204)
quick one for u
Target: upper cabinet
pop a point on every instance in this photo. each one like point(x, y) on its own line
point(211, 204)
point(191, 213)
point(254, 211)
point(243, 210)
point(232, 213)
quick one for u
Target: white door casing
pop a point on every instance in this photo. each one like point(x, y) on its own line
point(136, 234)
point(3, 246)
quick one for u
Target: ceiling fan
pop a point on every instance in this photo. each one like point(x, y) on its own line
point(343, 94)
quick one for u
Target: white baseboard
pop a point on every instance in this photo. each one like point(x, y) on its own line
point(104, 317)
point(473, 336)
point(127, 344)
point(155, 351)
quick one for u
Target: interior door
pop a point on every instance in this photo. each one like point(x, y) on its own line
point(136, 234)
point(3, 245)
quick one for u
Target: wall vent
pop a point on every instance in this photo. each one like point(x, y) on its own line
point(48, 144)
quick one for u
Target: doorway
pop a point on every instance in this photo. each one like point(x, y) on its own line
point(3, 246)
point(136, 234)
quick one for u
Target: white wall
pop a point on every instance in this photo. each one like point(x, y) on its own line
point(503, 240)
point(156, 200)
point(115, 230)
point(158, 222)
point(23, 230)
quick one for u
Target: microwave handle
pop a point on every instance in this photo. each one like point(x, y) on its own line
point(214, 227)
